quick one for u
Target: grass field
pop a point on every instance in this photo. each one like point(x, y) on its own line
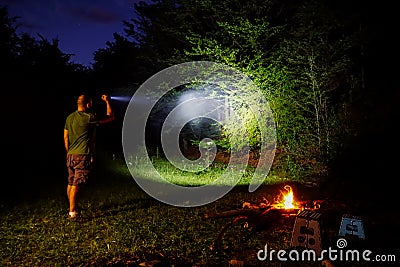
point(122, 226)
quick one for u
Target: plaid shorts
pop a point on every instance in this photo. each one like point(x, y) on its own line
point(79, 167)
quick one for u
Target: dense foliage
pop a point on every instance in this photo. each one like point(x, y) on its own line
point(306, 57)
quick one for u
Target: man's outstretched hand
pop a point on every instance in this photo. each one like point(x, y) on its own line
point(105, 98)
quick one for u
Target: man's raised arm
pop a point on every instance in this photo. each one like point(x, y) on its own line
point(109, 112)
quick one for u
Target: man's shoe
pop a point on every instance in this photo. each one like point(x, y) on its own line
point(72, 215)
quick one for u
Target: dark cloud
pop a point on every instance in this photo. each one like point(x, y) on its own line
point(96, 14)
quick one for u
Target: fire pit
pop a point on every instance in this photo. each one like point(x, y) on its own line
point(262, 215)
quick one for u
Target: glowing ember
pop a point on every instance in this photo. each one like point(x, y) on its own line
point(287, 201)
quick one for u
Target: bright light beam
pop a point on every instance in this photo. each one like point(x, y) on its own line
point(121, 98)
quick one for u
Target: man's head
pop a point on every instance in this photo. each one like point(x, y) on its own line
point(84, 102)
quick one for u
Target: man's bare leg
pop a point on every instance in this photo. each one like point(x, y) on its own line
point(68, 192)
point(72, 193)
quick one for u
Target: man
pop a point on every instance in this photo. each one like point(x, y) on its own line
point(79, 141)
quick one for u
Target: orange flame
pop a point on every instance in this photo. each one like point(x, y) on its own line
point(288, 201)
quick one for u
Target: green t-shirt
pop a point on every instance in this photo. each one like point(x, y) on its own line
point(81, 128)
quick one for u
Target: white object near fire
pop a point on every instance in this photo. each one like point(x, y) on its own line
point(307, 231)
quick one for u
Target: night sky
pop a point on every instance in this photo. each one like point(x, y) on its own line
point(81, 27)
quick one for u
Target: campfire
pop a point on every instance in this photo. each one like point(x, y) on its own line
point(286, 203)
point(287, 200)
point(262, 215)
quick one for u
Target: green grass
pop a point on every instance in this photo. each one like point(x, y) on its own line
point(123, 226)
point(204, 176)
